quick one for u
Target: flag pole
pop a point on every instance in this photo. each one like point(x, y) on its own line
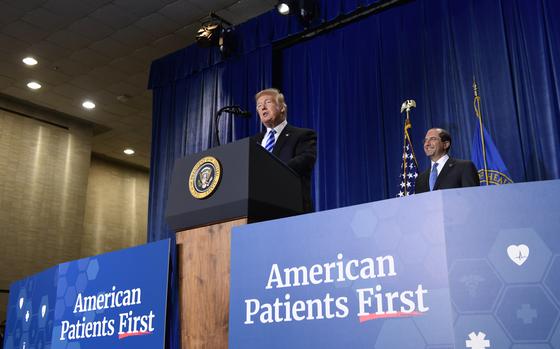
point(406, 122)
point(479, 116)
point(407, 105)
point(407, 126)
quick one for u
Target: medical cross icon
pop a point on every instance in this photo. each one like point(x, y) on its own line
point(527, 314)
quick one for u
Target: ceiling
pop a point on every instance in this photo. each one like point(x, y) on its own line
point(100, 50)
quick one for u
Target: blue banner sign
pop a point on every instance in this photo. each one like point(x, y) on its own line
point(114, 300)
point(503, 248)
point(358, 277)
point(467, 268)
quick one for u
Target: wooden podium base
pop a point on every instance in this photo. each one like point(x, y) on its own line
point(204, 271)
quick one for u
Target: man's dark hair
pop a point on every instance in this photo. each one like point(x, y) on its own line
point(445, 137)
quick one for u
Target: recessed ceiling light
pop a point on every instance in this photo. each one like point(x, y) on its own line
point(123, 98)
point(29, 61)
point(88, 105)
point(129, 151)
point(34, 85)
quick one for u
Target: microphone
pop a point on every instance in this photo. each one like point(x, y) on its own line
point(235, 109)
point(231, 109)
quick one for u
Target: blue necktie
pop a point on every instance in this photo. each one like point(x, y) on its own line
point(433, 177)
point(269, 145)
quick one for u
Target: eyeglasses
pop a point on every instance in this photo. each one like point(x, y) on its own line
point(432, 139)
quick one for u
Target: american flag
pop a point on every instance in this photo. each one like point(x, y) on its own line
point(409, 165)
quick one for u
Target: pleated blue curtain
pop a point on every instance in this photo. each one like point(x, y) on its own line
point(533, 43)
point(349, 85)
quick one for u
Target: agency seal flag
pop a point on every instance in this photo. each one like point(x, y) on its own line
point(205, 177)
point(485, 155)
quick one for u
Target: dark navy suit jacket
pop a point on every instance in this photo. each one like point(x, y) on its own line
point(455, 174)
point(297, 148)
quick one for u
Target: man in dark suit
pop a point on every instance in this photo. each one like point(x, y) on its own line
point(296, 147)
point(444, 172)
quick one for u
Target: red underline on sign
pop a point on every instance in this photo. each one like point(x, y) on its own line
point(124, 335)
point(369, 317)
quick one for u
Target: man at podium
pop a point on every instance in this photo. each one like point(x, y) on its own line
point(296, 147)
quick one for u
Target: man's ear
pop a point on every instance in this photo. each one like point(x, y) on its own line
point(446, 145)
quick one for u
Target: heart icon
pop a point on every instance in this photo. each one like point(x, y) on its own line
point(518, 253)
point(21, 302)
point(43, 310)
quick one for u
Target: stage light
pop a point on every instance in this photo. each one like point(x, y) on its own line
point(284, 7)
point(129, 151)
point(208, 35)
point(216, 31)
point(304, 9)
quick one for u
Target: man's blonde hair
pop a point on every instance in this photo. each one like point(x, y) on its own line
point(277, 95)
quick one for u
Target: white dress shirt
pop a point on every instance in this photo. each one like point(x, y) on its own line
point(440, 163)
point(278, 130)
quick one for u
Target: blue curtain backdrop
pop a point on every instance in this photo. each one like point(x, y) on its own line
point(349, 83)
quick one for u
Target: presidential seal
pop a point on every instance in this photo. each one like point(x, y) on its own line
point(205, 177)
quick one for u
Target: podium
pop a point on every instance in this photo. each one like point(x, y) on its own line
point(474, 267)
point(249, 185)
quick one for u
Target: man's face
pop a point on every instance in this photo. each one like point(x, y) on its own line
point(433, 146)
point(269, 111)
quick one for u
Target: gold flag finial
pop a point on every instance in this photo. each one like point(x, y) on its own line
point(476, 100)
point(475, 87)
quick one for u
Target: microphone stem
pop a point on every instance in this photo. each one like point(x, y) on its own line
point(216, 127)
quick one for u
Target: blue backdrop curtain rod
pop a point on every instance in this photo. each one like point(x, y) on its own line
point(341, 20)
